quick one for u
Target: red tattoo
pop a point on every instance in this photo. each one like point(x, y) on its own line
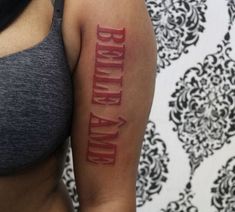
point(109, 66)
point(96, 121)
point(108, 34)
point(109, 57)
point(102, 146)
point(106, 91)
point(108, 98)
point(110, 52)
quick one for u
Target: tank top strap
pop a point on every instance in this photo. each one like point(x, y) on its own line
point(58, 9)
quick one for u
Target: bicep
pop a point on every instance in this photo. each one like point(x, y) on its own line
point(113, 89)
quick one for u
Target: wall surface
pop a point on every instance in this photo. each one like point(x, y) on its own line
point(188, 156)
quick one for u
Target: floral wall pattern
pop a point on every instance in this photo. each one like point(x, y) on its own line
point(187, 160)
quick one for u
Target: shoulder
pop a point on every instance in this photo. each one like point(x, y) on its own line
point(79, 15)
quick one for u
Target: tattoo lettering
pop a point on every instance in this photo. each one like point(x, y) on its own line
point(109, 62)
point(103, 133)
point(108, 34)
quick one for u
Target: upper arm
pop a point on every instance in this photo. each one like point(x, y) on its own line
point(113, 90)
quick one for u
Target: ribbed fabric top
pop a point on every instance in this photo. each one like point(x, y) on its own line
point(36, 100)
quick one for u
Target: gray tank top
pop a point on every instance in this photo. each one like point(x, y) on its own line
point(36, 101)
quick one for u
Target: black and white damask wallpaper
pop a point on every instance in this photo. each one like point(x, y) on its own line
point(187, 161)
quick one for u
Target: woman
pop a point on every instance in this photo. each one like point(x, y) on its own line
point(95, 86)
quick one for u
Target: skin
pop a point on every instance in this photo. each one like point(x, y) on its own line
point(99, 126)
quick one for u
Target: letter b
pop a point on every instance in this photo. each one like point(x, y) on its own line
point(107, 34)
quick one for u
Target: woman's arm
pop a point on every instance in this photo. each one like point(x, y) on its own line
point(113, 91)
